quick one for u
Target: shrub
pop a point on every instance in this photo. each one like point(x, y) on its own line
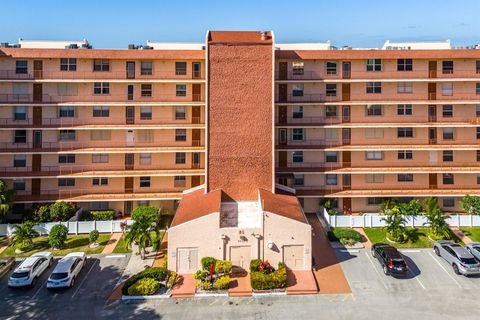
point(254, 264)
point(206, 262)
point(223, 266)
point(274, 280)
point(204, 285)
point(340, 234)
point(93, 236)
point(144, 287)
point(159, 274)
point(200, 275)
point(100, 215)
point(222, 283)
point(42, 214)
point(471, 204)
point(171, 279)
point(61, 211)
point(57, 236)
point(144, 211)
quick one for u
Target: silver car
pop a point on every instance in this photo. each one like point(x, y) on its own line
point(462, 261)
point(27, 273)
point(474, 249)
point(67, 270)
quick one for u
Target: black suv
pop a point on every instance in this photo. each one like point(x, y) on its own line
point(391, 260)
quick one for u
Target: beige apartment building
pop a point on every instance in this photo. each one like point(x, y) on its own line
point(125, 127)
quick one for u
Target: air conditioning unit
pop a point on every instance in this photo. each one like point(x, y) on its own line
point(131, 47)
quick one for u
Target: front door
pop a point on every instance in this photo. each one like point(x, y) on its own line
point(196, 70)
point(346, 159)
point(432, 135)
point(37, 138)
point(37, 92)
point(283, 70)
point(37, 116)
point(129, 161)
point(36, 162)
point(346, 70)
point(432, 180)
point(346, 136)
point(130, 70)
point(195, 181)
point(432, 69)
point(241, 256)
point(196, 137)
point(282, 92)
point(282, 114)
point(38, 69)
point(346, 92)
point(196, 92)
point(293, 257)
point(130, 92)
point(282, 136)
point(347, 181)
point(36, 183)
point(196, 114)
point(187, 260)
point(282, 159)
point(128, 184)
point(346, 114)
point(195, 160)
point(130, 138)
point(432, 91)
point(130, 115)
point(432, 113)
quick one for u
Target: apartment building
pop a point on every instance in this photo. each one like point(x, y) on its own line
point(119, 128)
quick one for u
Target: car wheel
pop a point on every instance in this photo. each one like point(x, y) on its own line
point(436, 251)
point(34, 282)
point(455, 269)
point(373, 253)
point(72, 283)
point(50, 263)
point(385, 270)
point(84, 263)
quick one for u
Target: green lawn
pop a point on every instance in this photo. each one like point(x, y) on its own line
point(121, 246)
point(417, 238)
point(472, 233)
point(73, 244)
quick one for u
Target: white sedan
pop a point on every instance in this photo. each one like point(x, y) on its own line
point(28, 272)
point(67, 270)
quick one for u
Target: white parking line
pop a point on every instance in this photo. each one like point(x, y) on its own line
point(351, 250)
point(448, 273)
point(416, 278)
point(409, 251)
point(376, 271)
point(115, 256)
point(38, 291)
point(84, 278)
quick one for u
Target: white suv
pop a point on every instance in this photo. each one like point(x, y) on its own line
point(27, 273)
point(67, 270)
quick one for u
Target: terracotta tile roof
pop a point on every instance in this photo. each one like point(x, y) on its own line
point(197, 204)
point(101, 53)
point(238, 37)
point(380, 54)
point(283, 205)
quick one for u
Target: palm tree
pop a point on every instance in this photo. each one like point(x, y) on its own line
point(23, 234)
point(387, 205)
point(439, 228)
point(140, 233)
point(395, 225)
point(6, 199)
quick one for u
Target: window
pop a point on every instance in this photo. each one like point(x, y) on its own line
point(448, 133)
point(66, 182)
point(478, 66)
point(477, 111)
point(180, 113)
point(447, 155)
point(180, 68)
point(66, 158)
point(297, 112)
point(146, 68)
point(374, 155)
point(297, 90)
point(144, 182)
point(68, 64)
point(405, 155)
point(20, 113)
point(478, 155)
point(447, 111)
point(448, 202)
point(478, 132)
point(20, 136)
point(297, 68)
point(374, 64)
point(331, 156)
point(405, 133)
point(67, 89)
point(447, 88)
point(374, 87)
point(297, 157)
point(477, 88)
point(448, 178)
point(145, 113)
point(101, 111)
point(145, 135)
point(18, 184)
point(374, 178)
point(180, 158)
point(100, 135)
point(101, 65)
point(298, 134)
point(331, 179)
point(374, 201)
point(405, 177)
point(330, 111)
point(331, 67)
point(145, 158)
point(180, 134)
point(66, 112)
point(374, 133)
point(100, 181)
point(447, 67)
point(404, 109)
point(180, 181)
point(19, 160)
point(146, 90)
point(20, 90)
point(21, 67)
point(298, 179)
point(404, 87)
point(331, 89)
point(478, 178)
point(101, 88)
point(181, 90)
point(374, 110)
point(404, 64)
point(100, 158)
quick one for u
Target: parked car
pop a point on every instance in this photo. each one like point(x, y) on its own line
point(67, 270)
point(390, 259)
point(6, 264)
point(474, 249)
point(28, 272)
point(461, 260)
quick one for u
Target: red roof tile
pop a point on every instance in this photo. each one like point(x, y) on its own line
point(283, 205)
point(197, 204)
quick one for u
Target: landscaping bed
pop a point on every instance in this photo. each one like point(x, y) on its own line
point(264, 278)
point(154, 281)
point(345, 236)
point(416, 237)
point(214, 277)
point(121, 246)
point(472, 232)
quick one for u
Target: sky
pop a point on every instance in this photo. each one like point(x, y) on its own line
point(357, 23)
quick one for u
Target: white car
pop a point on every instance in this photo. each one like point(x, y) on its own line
point(27, 273)
point(67, 270)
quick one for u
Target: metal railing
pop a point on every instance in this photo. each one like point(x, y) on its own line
point(106, 98)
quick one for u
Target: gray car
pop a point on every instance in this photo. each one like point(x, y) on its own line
point(462, 261)
point(474, 249)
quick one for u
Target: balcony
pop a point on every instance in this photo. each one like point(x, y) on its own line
point(308, 98)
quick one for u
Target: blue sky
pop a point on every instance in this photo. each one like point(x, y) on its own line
point(360, 23)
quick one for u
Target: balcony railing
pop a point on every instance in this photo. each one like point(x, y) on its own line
point(312, 97)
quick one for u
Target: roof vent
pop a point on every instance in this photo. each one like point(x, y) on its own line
point(131, 47)
point(72, 46)
point(263, 35)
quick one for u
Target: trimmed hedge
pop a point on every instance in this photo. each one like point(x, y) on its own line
point(223, 266)
point(99, 215)
point(222, 283)
point(337, 234)
point(144, 287)
point(254, 264)
point(274, 280)
point(144, 211)
point(159, 274)
point(206, 262)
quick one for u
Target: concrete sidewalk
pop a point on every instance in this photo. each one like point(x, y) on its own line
point(4, 245)
point(460, 235)
point(112, 243)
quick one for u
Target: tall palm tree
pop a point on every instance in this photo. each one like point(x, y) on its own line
point(139, 233)
point(387, 205)
point(6, 199)
point(23, 234)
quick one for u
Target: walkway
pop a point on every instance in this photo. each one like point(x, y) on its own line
point(366, 242)
point(326, 269)
point(185, 286)
point(161, 252)
point(460, 235)
point(112, 243)
point(4, 245)
point(240, 285)
point(301, 282)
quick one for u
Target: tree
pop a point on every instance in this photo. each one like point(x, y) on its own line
point(42, 213)
point(139, 233)
point(395, 225)
point(145, 211)
point(6, 198)
point(61, 211)
point(93, 236)
point(471, 204)
point(23, 235)
point(387, 205)
point(439, 228)
point(57, 236)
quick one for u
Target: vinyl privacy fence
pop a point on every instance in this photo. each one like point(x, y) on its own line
point(377, 221)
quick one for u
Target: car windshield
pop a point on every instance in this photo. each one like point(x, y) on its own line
point(468, 261)
point(20, 274)
point(59, 275)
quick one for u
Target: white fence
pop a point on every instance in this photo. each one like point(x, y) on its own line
point(74, 227)
point(377, 221)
